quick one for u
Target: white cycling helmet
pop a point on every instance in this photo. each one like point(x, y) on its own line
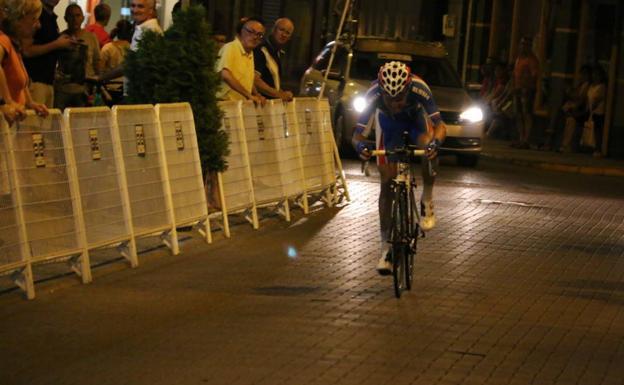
point(393, 77)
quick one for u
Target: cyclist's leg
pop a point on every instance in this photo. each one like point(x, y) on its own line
point(429, 171)
point(387, 171)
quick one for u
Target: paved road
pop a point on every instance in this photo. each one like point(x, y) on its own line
point(522, 282)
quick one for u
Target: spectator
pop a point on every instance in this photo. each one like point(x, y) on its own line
point(102, 16)
point(113, 55)
point(20, 20)
point(526, 70)
point(236, 63)
point(41, 54)
point(575, 109)
point(76, 65)
point(144, 17)
point(487, 81)
point(596, 95)
point(501, 103)
point(220, 39)
point(267, 61)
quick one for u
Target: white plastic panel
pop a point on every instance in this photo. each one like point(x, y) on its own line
point(47, 203)
point(262, 133)
point(98, 175)
point(11, 246)
point(287, 148)
point(237, 183)
point(143, 163)
point(183, 162)
point(314, 123)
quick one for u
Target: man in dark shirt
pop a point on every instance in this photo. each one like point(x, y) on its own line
point(40, 55)
point(267, 61)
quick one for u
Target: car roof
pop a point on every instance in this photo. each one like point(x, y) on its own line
point(420, 48)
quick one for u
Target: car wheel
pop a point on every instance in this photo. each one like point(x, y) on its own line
point(467, 160)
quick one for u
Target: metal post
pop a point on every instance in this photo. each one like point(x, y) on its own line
point(333, 51)
point(467, 41)
point(515, 32)
point(581, 43)
point(494, 21)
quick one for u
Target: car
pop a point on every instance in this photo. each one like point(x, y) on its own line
point(355, 66)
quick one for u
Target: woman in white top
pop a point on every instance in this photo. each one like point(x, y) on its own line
point(596, 95)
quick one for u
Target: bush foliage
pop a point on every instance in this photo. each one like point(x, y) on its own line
point(179, 67)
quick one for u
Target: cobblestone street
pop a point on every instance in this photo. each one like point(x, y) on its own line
point(515, 285)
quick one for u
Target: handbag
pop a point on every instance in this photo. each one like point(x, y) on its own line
point(588, 139)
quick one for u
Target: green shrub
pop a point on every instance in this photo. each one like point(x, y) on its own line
point(179, 67)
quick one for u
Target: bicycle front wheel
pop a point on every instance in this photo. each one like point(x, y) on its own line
point(410, 247)
point(398, 236)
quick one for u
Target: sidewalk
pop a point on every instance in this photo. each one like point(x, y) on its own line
point(554, 161)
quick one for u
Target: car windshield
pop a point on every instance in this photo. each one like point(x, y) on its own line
point(437, 72)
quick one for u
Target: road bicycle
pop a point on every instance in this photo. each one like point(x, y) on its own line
point(405, 229)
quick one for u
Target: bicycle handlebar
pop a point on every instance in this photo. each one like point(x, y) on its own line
point(399, 151)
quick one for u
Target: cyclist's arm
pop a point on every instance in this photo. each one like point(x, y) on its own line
point(363, 127)
point(361, 132)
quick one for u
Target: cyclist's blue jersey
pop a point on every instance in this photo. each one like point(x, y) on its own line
point(410, 119)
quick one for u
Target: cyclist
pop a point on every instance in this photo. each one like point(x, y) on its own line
point(400, 101)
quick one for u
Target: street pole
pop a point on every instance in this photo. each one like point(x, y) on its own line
point(467, 42)
point(333, 51)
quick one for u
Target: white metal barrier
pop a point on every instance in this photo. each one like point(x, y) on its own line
point(288, 152)
point(47, 191)
point(14, 253)
point(316, 146)
point(183, 166)
point(272, 155)
point(144, 162)
point(235, 184)
point(104, 201)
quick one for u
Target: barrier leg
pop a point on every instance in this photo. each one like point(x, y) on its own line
point(341, 183)
point(170, 239)
point(204, 229)
point(23, 278)
point(128, 250)
point(81, 265)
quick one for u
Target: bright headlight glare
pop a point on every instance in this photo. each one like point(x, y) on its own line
point(473, 115)
point(359, 104)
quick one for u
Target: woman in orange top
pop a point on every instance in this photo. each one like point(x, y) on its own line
point(21, 20)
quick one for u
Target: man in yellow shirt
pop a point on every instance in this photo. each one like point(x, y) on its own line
point(236, 63)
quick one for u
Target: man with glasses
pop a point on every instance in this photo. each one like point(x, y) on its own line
point(399, 101)
point(236, 63)
point(267, 60)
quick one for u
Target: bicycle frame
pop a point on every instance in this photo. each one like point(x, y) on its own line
point(405, 228)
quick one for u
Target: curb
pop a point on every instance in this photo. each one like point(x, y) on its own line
point(560, 167)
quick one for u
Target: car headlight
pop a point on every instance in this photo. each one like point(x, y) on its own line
point(473, 115)
point(359, 104)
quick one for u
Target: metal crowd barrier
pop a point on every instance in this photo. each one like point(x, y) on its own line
point(146, 173)
point(183, 166)
point(235, 184)
point(96, 177)
point(103, 200)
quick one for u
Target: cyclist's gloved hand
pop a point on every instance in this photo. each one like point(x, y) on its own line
point(432, 148)
point(363, 151)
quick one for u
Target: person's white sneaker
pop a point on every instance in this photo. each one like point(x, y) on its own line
point(384, 266)
point(427, 217)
